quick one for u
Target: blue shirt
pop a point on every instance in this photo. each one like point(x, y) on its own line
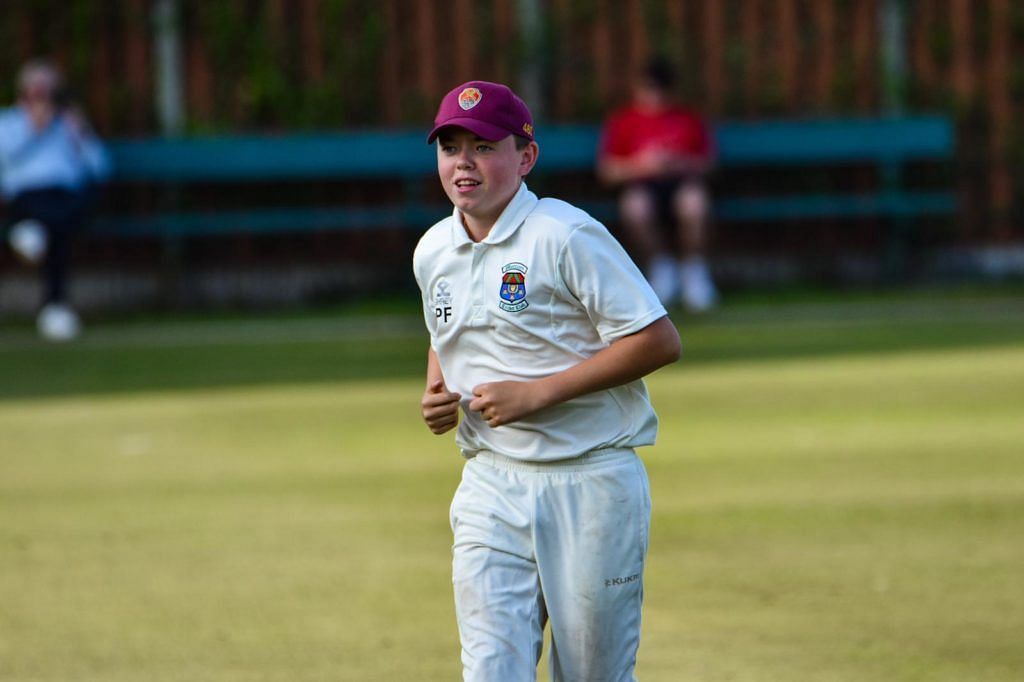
point(56, 156)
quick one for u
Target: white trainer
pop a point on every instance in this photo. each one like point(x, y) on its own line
point(699, 293)
point(58, 322)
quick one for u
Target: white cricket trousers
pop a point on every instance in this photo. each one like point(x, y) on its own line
point(560, 541)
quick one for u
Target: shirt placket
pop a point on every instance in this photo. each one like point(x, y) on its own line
point(478, 272)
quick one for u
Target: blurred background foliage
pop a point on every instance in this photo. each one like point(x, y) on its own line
point(323, 63)
point(277, 65)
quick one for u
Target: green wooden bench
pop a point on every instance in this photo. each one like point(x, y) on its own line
point(889, 144)
point(401, 156)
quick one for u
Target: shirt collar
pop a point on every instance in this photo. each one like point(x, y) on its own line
point(520, 206)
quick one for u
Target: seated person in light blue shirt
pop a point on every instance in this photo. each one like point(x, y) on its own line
point(50, 161)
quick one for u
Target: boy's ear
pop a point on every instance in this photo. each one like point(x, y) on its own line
point(528, 158)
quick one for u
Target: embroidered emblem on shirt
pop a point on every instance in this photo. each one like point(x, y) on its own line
point(513, 288)
point(443, 300)
point(469, 98)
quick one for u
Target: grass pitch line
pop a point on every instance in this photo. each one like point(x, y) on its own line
point(1005, 309)
point(161, 334)
point(300, 328)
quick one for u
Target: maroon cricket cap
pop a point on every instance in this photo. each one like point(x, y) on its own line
point(490, 110)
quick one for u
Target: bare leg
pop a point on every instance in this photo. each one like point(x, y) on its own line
point(639, 211)
point(690, 204)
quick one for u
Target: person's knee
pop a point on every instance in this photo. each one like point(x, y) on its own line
point(691, 202)
point(637, 206)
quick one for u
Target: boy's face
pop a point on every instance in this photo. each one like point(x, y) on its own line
point(481, 176)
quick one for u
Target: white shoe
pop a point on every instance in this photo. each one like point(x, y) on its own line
point(663, 275)
point(28, 240)
point(58, 322)
point(699, 293)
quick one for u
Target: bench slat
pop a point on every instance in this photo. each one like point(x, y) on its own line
point(419, 218)
point(775, 143)
point(836, 206)
point(803, 207)
point(254, 158)
point(193, 223)
point(808, 142)
point(404, 153)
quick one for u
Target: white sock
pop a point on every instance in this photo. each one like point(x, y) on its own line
point(663, 275)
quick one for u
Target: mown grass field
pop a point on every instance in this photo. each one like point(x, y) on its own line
point(838, 497)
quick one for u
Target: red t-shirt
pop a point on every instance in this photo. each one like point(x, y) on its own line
point(630, 130)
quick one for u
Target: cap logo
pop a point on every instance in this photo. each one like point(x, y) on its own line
point(469, 98)
point(528, 129)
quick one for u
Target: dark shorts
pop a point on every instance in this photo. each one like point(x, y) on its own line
point(63, 213)
point(60, 210)
point(663, 190)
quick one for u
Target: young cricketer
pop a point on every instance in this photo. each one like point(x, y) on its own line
point(541, 329)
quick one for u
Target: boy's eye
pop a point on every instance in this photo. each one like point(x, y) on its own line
point(448, 148)
point(484, 147)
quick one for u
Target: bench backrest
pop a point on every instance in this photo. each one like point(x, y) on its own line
point(787, 142)
point(404, 153)
point(350, 154)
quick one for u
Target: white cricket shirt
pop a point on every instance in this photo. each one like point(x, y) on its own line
point(548, 288)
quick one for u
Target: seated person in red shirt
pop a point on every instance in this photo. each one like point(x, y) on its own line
point(658, 154)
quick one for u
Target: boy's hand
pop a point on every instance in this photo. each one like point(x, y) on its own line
point(440, 407)
point(503, 402)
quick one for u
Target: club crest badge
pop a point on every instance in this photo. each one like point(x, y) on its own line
point(469, 98)
point(513, 288)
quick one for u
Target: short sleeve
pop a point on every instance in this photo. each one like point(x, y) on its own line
point(599, 273)
point(428, 309)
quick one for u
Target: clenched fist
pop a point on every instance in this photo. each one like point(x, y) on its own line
point(440, 407)
point(502, 402)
